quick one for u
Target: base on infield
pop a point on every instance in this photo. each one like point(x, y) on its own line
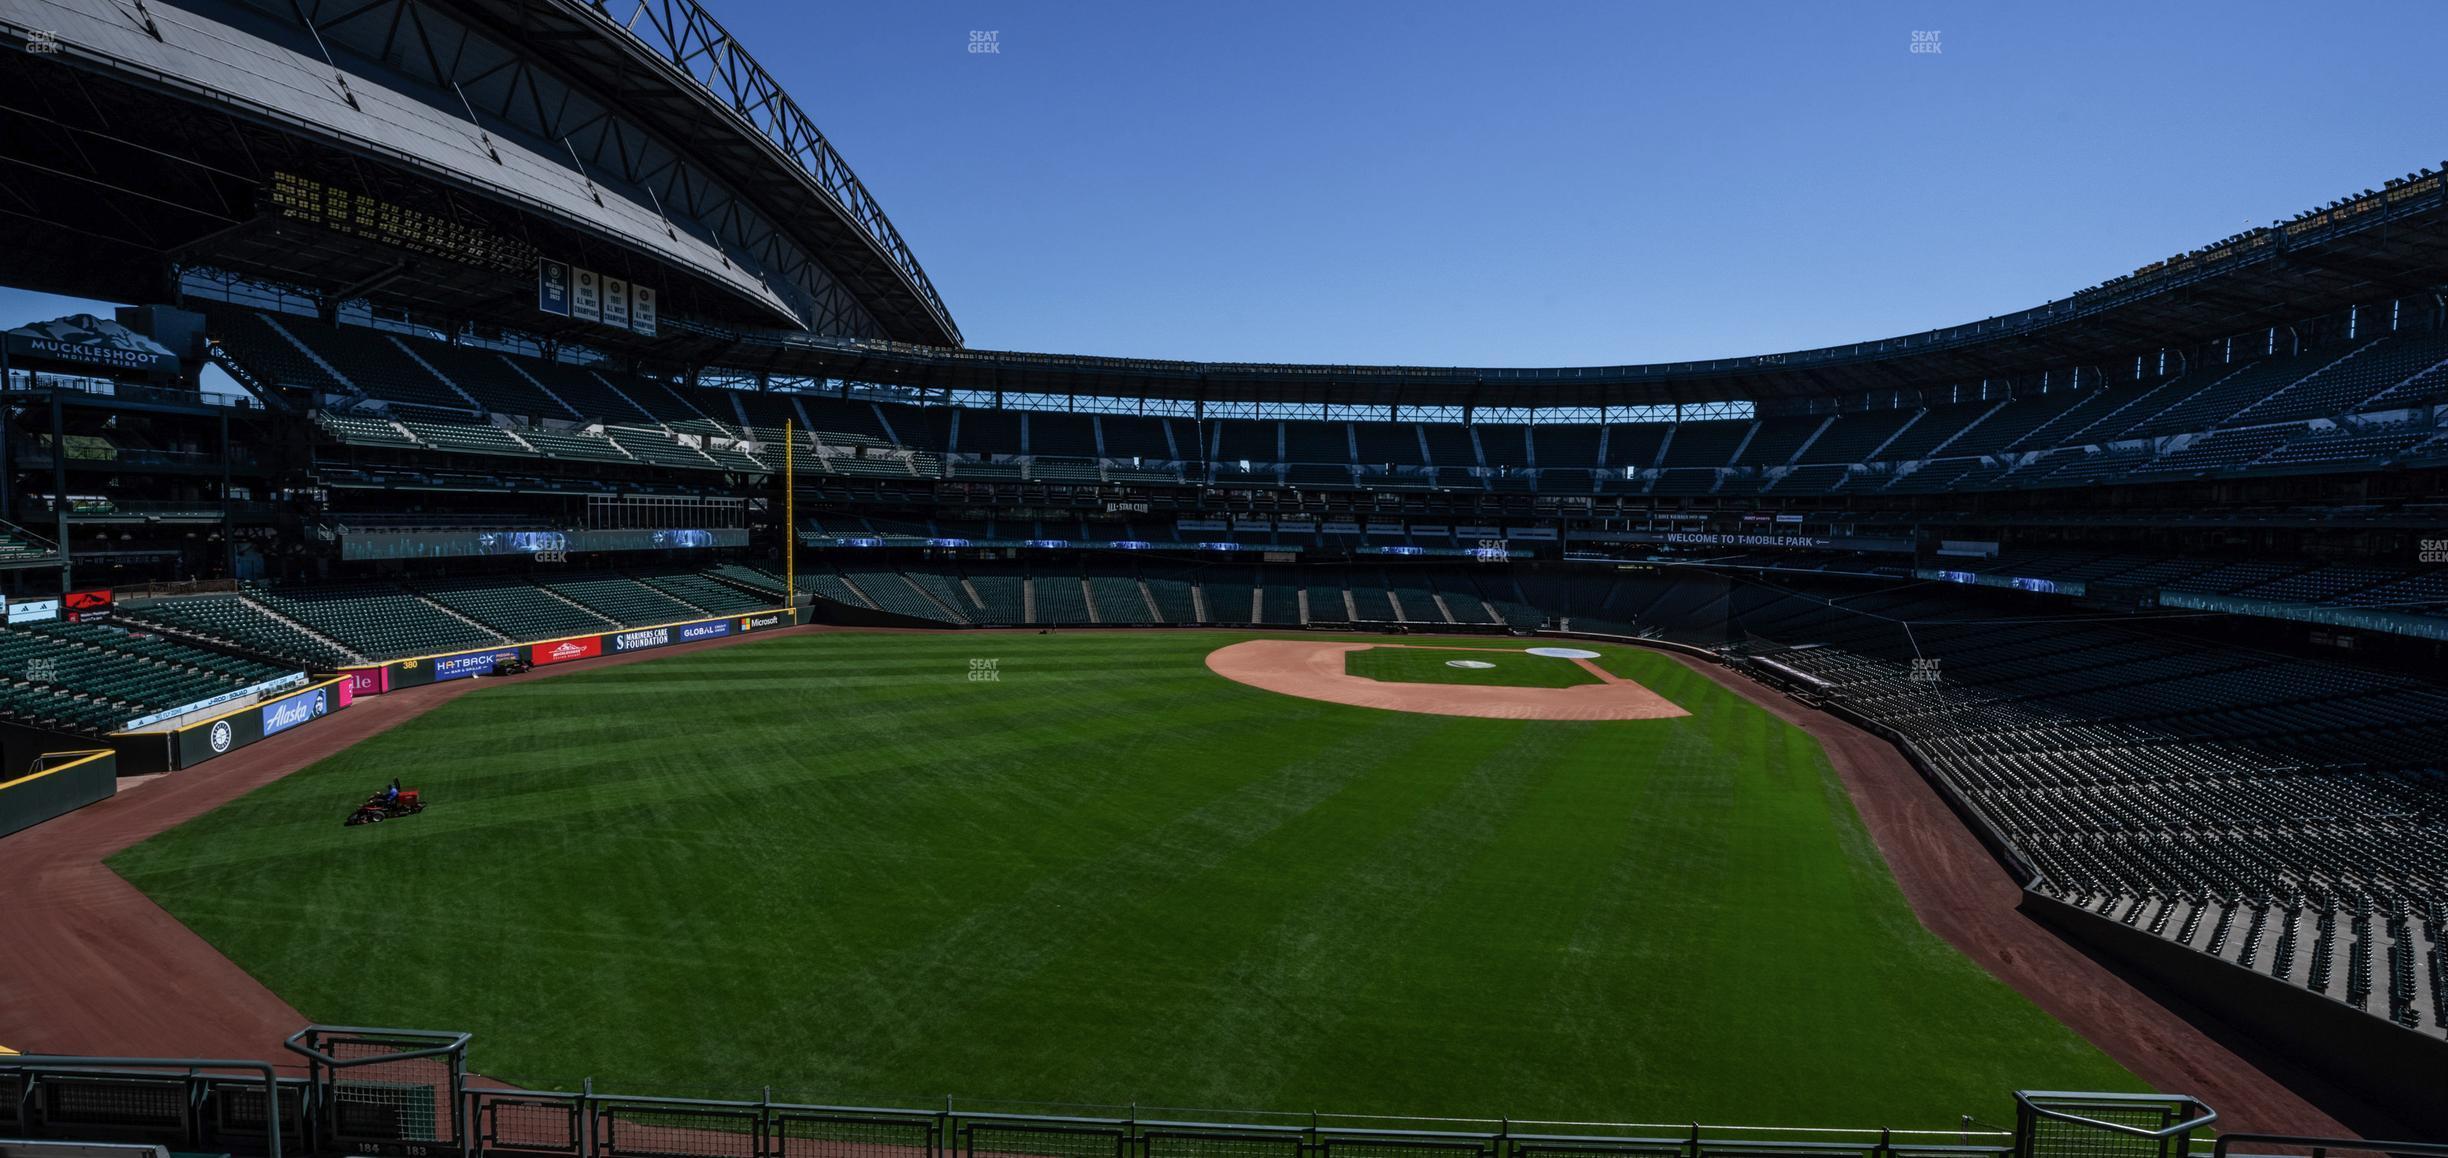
point(1313, 670)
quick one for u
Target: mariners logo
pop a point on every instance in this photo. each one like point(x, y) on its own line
point(220, 736)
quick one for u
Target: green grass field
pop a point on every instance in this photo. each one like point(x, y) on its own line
point(840, 865)
point(1413, 665)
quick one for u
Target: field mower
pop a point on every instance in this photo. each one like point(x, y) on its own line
point(387, 802)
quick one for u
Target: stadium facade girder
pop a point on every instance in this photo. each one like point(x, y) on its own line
point(2391, 247)
point(566, 129)
point(637, 56)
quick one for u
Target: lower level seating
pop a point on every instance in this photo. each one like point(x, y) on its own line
point(378, 620)
point(236, 623)
point(90, 679)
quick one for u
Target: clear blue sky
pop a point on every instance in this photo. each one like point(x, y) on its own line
point(1566, 184)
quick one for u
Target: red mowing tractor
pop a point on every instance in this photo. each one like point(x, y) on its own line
point(388, 802)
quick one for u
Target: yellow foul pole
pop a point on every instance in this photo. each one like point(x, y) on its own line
point(790, 521)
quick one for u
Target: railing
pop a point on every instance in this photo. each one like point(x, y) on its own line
point(133, 392)
point(166, 589)
point(82, 507)
point(2057, 1124)
point(172, 1102)
point(2299, 1146)
point(404, 1093)
point(32, 456)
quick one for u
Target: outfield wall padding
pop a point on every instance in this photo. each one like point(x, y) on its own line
point(68, 781)
point(216, 736)
point(418, 671)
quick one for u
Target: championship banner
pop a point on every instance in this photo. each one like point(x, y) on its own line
point(616, 302)
point(642, 310)
point(92, 606)
point(552, 286)
point(586, 295)
point(565, 650)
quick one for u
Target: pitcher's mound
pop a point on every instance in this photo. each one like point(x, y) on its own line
point(1314, 670)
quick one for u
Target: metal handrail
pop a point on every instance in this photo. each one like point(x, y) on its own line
point(271, 1078)
point(2321, 1146)
point(451, 1042)
point(2207, 1116)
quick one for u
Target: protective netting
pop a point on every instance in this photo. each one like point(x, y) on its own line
point(990, 1140)
point(845, 1136)
point(2051, 1138)
point(377, 1095)
point(633, 1131)
point(544, 1126)
point(146, 1104)
point(1164, 1144)
point(1403, 1148)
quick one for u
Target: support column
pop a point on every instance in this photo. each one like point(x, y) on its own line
point(59, 488)
point(229, 522)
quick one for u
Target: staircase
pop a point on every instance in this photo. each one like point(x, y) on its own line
point(549, 593)
point(439, 376)
point(950, 613)
point(854, 590)
point(419, 597)
point(302, 629)
point(644, 415)
point(357, 394)
point(541, 388)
